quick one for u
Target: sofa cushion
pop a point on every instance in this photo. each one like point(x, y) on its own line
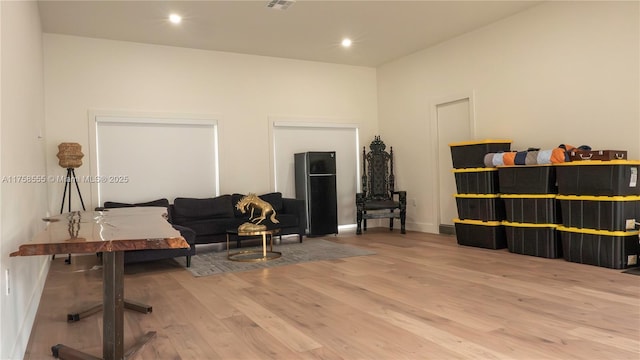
point(155, 203)
point(115, 205)
point(204, 227)
point(186, 209)
point(287, 220)
point(158, 203)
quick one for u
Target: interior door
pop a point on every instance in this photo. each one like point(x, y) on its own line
point(454, 125)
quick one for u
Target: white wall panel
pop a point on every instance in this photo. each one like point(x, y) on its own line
point(143, 159)
point(22, 148)
point(290, 139)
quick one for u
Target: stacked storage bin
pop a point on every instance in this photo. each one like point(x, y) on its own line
point(600, 203)
point(480, 209)
point(532, 211)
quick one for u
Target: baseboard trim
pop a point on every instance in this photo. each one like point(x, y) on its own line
point(24, 334)
point(447, 229)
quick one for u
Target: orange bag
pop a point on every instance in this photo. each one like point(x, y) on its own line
point(509, 158)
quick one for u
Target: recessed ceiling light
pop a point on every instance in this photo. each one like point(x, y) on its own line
point(346, 42)
point(175, 18)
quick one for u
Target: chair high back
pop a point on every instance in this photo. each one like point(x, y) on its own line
point(377, 170)
point(378, 198)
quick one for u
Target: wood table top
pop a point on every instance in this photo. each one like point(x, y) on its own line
point(121, 229)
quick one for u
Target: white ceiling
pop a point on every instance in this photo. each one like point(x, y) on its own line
point(309, 30)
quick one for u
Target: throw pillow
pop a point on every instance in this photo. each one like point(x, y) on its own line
point(158, 203)
point(155, 203)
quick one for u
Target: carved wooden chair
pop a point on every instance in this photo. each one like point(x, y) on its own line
point(378, 198)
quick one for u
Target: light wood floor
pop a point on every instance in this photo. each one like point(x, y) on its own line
point(420, 297)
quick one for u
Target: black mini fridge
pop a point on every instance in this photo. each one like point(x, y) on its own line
point(315, 174)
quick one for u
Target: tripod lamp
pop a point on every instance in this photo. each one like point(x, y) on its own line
point(70, 157)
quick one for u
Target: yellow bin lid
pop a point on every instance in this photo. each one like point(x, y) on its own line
point(598, 198)
point(477, 196)
point(528, 196)
point(464, 170)
point(598, 232)
point(477, 222)
point(528, 225)
point(522, 166)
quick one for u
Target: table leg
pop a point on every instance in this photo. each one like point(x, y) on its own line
point(83, 314)
point(271, 243)
point(133, 351)
point(264, 245)
point(128, 304)
point(64, 352)
point(138, 307)
point(113, 300)
point(113, 305)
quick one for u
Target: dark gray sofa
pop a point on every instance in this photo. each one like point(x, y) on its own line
point(210, 218)
point(134, 256)
point(205, 221)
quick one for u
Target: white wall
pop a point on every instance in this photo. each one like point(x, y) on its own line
point(22, 153)
point(560, 72)
point(291, 140)
point(242, 91)
point(542, 77)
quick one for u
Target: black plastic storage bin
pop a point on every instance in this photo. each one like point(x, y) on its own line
point(470, 154)
point(484, 207)
point(611, 213)
point(477, 181)
point(527, 179)
point(541, 240)
point(611, 249)
point(598, 178)
point(488, 235)
point(531, 208)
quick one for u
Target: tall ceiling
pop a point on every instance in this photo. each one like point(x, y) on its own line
point(308, 30)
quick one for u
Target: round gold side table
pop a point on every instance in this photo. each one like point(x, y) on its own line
point(254, 255)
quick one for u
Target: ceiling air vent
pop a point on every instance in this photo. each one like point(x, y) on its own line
point(280, 4)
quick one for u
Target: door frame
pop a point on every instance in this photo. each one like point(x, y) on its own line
point(97, 116)
point(435, 140)
point(309, 122)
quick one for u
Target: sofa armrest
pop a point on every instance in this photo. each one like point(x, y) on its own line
point(296, 207)
point(170, 211)
point(189, 235)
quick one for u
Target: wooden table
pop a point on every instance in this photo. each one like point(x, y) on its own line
point(111, 232)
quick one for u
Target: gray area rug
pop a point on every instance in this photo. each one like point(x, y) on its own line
point(212, 263)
